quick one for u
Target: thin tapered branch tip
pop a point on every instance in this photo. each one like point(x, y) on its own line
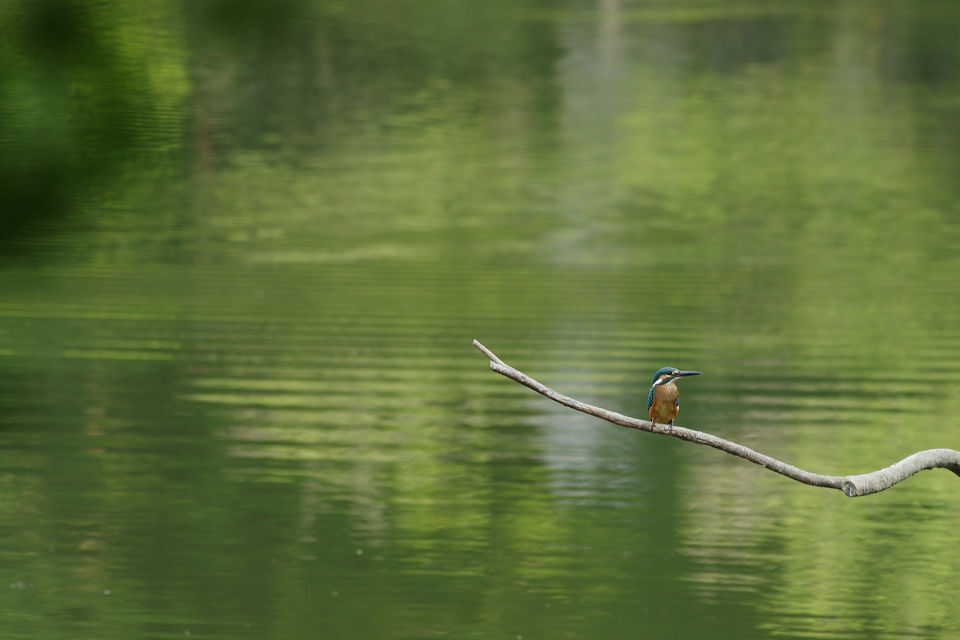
point(490, 354)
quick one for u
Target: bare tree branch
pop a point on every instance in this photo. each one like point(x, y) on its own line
point(852, 486)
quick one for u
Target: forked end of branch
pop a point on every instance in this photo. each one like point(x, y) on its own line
point(876, 481)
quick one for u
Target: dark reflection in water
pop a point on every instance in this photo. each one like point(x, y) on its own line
point(246, 247)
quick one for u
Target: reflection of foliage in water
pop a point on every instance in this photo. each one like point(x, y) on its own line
point(280, 225)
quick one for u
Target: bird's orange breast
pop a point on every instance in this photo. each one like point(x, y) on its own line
point(665, 407)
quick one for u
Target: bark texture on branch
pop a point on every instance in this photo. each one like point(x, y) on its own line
point(853, 486)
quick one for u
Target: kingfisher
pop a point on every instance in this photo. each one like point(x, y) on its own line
point(663, 401)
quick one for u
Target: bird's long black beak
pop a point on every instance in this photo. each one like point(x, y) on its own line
point(681, 374)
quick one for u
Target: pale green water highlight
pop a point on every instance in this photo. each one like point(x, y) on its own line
point(246, 248)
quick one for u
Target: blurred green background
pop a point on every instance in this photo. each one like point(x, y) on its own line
point(245, 246)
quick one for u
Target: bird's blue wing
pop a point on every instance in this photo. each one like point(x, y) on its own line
point(650, 397)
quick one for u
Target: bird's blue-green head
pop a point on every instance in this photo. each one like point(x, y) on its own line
point(669, 374)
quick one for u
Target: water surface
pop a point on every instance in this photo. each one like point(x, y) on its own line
point(246, 248)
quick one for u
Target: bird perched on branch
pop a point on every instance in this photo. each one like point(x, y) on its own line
point(663, 401)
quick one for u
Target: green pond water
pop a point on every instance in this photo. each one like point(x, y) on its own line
point(245, 247)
